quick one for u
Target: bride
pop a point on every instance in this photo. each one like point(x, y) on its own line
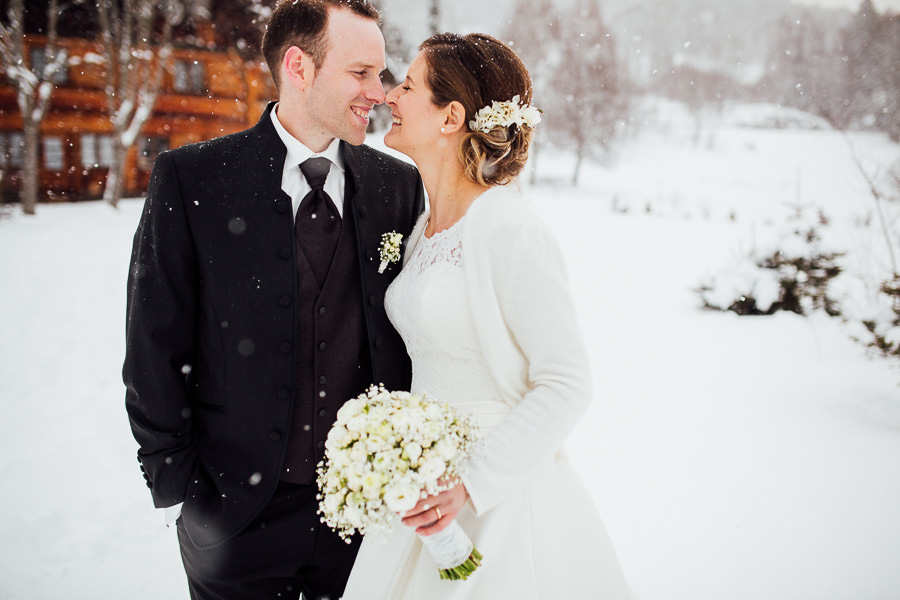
point(483, 306)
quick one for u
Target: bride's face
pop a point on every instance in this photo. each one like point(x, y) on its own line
point(416, 120)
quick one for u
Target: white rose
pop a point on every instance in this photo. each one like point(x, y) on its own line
point(446, 449)
point(333, 502)
point(358, 454)
point(337, 438)
point(371, 485)
point(338, 460)
point(357, 423)
point(350, 408)
point(432, 432)
point(333, 481)
point(382, 462)
point(354, 479)
point(433, 412)
point(412, 451)
point(383, 428)
point(375, 443)
point(432, 469)
point(353, 511)
point(401, 496)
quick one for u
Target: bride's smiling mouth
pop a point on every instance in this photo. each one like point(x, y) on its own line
point(396, 120)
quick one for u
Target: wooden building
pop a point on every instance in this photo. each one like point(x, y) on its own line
point(205, 93)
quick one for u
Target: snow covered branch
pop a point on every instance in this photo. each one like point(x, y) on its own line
point(137, 55)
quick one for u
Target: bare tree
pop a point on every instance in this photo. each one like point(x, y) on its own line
point(137, 43)
point(872, 50)
point(434, 16)
point(535, 35)
point(33, 79)
point(805, 67)
point(589, 96)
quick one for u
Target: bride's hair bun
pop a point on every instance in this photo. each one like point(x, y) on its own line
point(478, 70)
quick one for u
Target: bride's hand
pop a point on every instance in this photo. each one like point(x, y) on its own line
point(433, 513)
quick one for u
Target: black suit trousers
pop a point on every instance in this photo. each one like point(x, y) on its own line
point(284, 552)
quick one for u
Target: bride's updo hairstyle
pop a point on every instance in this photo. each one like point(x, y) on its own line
point(476, 70)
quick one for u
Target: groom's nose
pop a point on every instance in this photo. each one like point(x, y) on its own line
point(374, 90)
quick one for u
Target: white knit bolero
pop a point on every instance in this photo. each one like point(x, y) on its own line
point(527, 326)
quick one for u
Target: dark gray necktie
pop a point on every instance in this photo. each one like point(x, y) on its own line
point(317, 224)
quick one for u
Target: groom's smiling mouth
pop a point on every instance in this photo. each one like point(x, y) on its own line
point(397, 120)
point(360, 112)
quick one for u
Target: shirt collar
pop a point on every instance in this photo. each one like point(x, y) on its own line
point(297, 151)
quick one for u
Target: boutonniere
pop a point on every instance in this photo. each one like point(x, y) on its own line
point(389, 251)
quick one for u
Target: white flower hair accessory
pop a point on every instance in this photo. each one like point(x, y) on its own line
point(504, 114)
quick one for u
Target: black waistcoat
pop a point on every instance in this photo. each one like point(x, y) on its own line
point(333, 363)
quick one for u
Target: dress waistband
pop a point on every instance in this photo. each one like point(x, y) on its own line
point(487, 414)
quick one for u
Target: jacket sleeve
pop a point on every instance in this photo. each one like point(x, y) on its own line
point(526, 282)
point(159, 339)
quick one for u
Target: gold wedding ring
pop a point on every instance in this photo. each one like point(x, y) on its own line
point(438, 512)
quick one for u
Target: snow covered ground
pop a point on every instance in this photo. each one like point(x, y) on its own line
point(732, 458)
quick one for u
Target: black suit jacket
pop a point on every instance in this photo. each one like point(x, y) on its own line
point(211, 326)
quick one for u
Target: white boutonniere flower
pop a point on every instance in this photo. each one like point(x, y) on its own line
point(389, 251)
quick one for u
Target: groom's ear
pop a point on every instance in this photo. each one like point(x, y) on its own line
point(298, 68)
point(454, 117)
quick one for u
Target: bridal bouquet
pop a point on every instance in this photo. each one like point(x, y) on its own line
point(384, 452)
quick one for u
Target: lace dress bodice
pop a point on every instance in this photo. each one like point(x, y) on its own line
point(429, 306)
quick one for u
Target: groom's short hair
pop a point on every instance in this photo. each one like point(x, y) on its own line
point(304, 23)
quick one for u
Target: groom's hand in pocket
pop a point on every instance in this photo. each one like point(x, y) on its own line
point(433, 513)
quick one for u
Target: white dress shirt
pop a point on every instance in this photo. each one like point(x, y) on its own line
point(294, 183)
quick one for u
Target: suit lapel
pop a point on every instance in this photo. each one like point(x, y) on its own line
point(265, 158)
point(357, 199)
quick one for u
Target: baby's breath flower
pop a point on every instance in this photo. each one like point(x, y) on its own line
point(389, 251)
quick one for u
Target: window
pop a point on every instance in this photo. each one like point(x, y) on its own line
point(53, 153)
point(150, 148)
point(39, 61)
point(190, 77)
point(96, 150)
point(12, 149)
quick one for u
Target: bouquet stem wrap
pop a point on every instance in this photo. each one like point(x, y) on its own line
point(453, 552)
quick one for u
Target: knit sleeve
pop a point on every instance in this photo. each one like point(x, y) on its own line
point(534, 347)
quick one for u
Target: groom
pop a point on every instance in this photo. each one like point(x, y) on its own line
point(255, 309)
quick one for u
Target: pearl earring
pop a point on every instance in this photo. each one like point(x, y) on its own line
point(443, 130)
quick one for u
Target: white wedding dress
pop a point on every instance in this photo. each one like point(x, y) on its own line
point(547, 542)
